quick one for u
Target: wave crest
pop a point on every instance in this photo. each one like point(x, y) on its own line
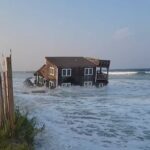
point(128, 72)
point(123, 73)
point(147, 72)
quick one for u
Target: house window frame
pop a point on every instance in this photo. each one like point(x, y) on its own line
point(87, 74)
point(52, 71)
point(66, 72)
point(88, 83)
point(51, 84)
point(68, 84)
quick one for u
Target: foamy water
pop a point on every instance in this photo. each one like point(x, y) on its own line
point(115, 117)
point(148, 72)
point(123, 73)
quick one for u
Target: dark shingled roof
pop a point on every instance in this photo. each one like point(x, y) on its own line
point(70, 62)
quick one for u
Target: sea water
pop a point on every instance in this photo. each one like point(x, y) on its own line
point(114, 117)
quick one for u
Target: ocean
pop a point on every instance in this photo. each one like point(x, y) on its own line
point(114, 117)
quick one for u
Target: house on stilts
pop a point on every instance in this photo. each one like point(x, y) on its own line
point(68, 71)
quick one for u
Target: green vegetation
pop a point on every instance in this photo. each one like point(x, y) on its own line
point(21, 137)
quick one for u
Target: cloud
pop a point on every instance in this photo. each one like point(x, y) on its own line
point(122, 33)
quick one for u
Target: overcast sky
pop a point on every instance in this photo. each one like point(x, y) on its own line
point(118, 30)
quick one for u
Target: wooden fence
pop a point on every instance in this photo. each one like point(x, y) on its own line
point(7, 114)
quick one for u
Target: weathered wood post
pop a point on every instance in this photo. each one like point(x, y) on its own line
point(10, 91)
point(1, 104)
point(7, 114)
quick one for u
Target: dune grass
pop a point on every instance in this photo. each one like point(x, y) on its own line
point(22, 136)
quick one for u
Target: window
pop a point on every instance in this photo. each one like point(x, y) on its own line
point(66, 84)
point(87, 83)
point(88, 71)
point(66, 72)
point(51, 70)
point(51, 84)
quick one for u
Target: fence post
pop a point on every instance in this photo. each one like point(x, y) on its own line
point(1, 104)
point(10, 91)
point(7, 114)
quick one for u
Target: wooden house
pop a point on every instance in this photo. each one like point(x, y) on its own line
point(67, 71)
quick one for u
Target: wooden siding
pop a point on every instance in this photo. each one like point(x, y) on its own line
point(49, 76)
point(77, 76)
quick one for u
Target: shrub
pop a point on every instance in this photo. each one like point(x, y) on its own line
point(21, 137)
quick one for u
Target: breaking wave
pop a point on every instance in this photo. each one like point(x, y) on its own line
point(123, 73)
point(128, 72)
point(147, 72)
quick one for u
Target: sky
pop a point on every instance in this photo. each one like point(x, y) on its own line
point(118, 30)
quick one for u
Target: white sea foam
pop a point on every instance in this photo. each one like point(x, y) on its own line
point(147, 72)
point(115, 117)
point(123, 72)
